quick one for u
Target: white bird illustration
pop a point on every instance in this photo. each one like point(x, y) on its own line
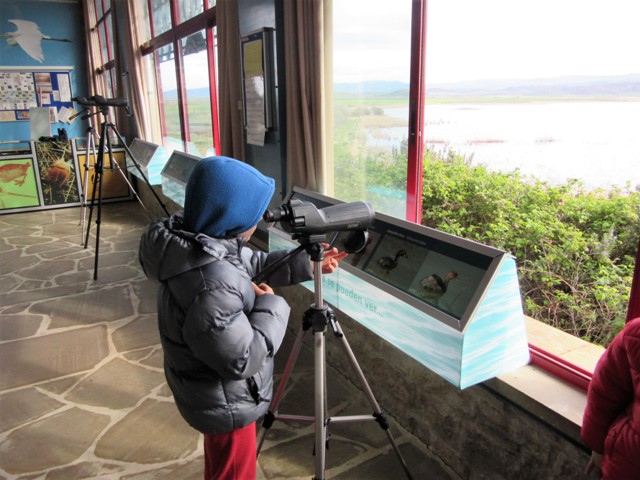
point(29, 37)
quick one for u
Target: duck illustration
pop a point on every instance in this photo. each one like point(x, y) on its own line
point(388, 263)
point(434, 286)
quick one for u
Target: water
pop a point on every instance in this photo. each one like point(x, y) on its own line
point(597, 142)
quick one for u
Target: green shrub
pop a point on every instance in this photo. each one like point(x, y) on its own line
point(575, 249)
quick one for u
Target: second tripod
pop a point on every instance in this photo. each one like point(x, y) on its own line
point(104, 147)
point(317, 319)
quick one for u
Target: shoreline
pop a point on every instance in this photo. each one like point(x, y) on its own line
point(403, 102)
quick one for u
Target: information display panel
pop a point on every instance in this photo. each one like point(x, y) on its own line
point(150, 158)
point(441, 274)
point(450, 303)
point(175, 175)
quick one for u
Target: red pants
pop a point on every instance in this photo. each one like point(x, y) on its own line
point(231, 455)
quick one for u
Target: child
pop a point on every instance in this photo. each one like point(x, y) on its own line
point(220, 331)
point(611, 423)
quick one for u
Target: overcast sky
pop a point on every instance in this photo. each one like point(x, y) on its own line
point(478, 39)
point(488, 39)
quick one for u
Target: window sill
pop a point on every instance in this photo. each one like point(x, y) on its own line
point(551, 399)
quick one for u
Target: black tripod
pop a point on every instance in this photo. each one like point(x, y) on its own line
point(105, 146)
point(317, 318)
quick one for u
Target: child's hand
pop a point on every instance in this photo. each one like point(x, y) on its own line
point(262, 289)
point(331, 259)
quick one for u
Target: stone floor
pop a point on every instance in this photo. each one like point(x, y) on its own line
point(82, 391)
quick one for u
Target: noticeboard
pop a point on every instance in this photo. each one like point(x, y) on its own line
point(24, 88)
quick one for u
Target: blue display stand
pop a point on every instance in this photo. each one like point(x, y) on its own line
point(473, 331)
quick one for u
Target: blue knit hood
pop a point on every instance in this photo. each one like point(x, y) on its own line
point(225, 197)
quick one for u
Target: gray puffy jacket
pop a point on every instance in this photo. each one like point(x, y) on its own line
point(218, 337)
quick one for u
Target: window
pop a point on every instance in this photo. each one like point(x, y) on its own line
point(182, 55)
point(528, 92)
point(198, 134)
point(547, 111)
point(101, 28)
point(371, 65)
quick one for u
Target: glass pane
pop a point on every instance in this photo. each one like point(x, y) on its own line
point(107, 81)
point(371, 102)
point(189, 8)
point(553, 110)
point(533, 147)
point(107, 4)
point(168, 97)
point(141, 14)
point(103, 43)
point(95, 12)
point(161, 12)
point(196, 77)
point(109, 24)
point(152, 97)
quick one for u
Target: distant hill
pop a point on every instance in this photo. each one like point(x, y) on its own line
point(372, 89)
point(573, 86)
point(576, 86)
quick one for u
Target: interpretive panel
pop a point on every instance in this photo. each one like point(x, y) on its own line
point(175, 175)
point(149, 157)
point(452, 304)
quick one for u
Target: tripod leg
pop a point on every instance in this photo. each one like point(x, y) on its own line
point(91, 148)
point(320, 404)
point(115, 165)
point(378, 413)
point(146, 180)
point(271, 415)
point(97, 171)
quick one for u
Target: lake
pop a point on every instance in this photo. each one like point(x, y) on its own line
point(597, 142)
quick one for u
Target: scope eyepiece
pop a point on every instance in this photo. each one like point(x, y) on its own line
point(275, 214)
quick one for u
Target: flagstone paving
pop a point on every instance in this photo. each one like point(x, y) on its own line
point(82, 390)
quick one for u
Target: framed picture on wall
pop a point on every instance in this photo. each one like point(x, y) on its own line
point(18, 184)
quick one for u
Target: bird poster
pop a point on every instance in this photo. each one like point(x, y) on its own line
point(31, 41)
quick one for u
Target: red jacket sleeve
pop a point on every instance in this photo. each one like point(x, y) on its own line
point(611, 388)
